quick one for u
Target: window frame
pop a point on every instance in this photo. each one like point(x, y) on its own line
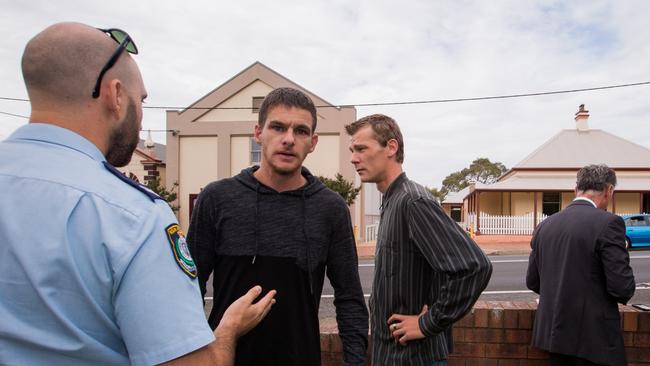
point(256, 103)
point(255, 150)
point(546, 202)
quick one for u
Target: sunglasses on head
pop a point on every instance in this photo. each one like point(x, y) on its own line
point(125, 43)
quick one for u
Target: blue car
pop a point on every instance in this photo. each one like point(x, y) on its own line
point(637, 230)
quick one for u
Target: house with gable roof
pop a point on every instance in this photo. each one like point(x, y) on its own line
point(543, 183)
point(213, 138)
point(147, 162)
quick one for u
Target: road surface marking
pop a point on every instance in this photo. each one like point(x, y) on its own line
point(511, 260)
point(505, 292)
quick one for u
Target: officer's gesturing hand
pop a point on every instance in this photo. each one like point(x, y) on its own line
point(242, 315)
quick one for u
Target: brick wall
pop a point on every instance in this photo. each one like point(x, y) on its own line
point(497, 333)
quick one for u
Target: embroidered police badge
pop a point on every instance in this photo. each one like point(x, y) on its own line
point(181, 251)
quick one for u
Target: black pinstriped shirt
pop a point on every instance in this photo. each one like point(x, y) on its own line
point(422, 257)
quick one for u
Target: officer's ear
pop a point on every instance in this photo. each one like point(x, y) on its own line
point(114, 98)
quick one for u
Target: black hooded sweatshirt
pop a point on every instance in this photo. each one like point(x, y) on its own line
point(249, 234)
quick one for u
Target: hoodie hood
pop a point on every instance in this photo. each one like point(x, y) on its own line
point(313, 185)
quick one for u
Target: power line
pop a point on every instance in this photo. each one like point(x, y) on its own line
point(506, 96)
point(13, 115)
point(142, 130)
point(15, 99)
point(433, 101)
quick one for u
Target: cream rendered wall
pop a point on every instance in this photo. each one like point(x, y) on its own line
point(372, 197)
point(566, 199)
point(135, 167)
point(491, 203)
point(522, 203)
point(505, 197)
point(197, 168)
point(243, 98)
point(325, 158)
point(627, 203)
point(633, 174)
point(162, 174)
point(240, 153)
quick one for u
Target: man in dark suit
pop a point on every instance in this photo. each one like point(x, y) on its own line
point(580, 268)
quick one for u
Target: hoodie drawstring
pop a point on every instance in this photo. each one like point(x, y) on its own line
point(256, 230)
point(304, 233)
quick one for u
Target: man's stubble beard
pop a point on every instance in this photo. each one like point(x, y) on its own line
point(124, 139)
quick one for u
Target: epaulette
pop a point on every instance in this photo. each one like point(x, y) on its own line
point(151, 194)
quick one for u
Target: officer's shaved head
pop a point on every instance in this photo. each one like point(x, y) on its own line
point(61, 64)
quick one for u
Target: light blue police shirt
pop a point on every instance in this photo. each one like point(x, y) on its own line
point(88, 270)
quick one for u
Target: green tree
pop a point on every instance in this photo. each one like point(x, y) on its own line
point(169, 196)
point(455, 181)
point(439, 194)
point(343, 187)
point(481, 170)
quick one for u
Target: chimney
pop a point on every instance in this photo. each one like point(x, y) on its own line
point(581, 118)
point(472, 185)
point(149, 145)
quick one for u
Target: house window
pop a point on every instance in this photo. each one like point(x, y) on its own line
point(550, 203)
point(455, 214)
point(193, 197)
point(256, 152)
point(257, 103)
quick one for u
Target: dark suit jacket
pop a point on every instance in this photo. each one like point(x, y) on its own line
point(580, 268)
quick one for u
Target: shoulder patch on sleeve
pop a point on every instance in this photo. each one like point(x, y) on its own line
point(180, 250)
point(153, 196)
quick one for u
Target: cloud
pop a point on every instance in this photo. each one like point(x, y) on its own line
point(385, 51)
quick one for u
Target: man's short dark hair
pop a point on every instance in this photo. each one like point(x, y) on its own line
point(384, 128)
point(596, 178)
point(288, 97)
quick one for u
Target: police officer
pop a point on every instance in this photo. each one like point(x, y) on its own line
point(94, 269)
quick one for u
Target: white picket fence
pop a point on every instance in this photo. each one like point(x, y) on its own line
point(504, 224)
point(370, 233)
point(490, 224)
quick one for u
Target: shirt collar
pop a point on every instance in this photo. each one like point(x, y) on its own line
point(585, 199)
point(393, 186)
point(49, 133)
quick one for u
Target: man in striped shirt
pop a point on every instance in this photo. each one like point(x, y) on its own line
point(428, 272)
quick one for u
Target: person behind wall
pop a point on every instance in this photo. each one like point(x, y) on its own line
point(94, 269)
point(277, 225)
point(580, 268)
point(428, 272)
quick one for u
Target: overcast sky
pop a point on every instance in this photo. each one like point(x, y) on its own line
point(353, 52)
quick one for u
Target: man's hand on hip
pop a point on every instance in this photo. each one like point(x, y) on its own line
point(406, 327)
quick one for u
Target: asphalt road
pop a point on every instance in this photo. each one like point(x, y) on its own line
point(507, 282)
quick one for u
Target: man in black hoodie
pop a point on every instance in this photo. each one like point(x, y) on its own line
point(278, 226)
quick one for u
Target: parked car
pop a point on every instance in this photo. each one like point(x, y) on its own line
point(637, 230)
